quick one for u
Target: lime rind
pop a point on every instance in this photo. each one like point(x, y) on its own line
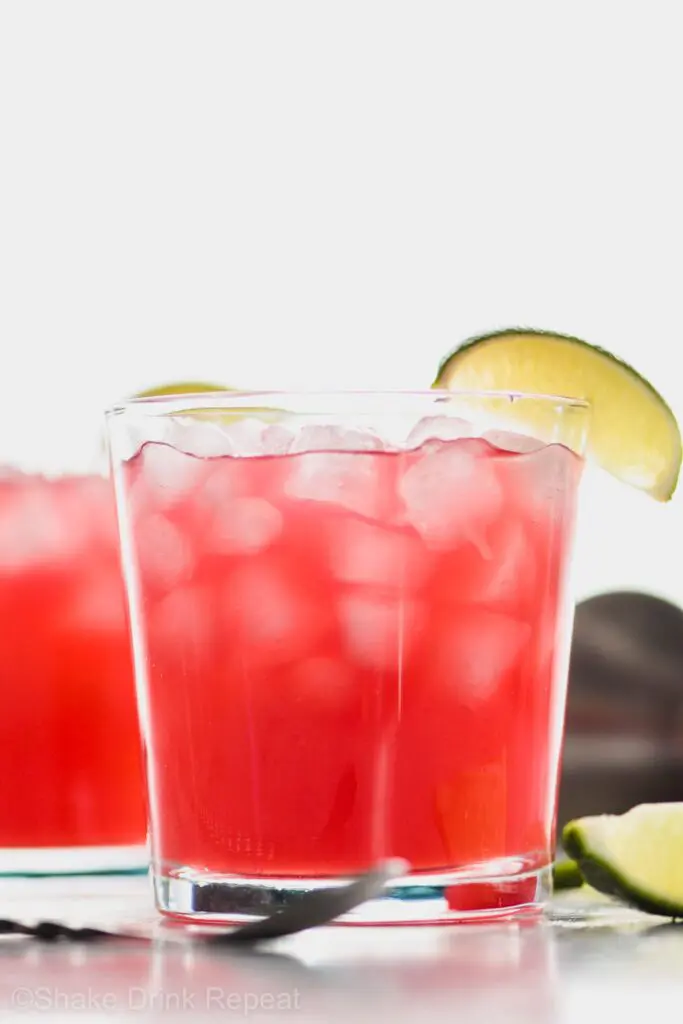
point(567, 875)
point(540, 333)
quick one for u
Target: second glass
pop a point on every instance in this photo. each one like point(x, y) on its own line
point(72, 795)
point(351, 623)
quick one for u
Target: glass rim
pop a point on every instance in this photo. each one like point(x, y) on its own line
point(155, 404)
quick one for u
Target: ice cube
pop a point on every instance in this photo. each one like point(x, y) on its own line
point(36, 527)
point(442, 428)
point(512, 567)
point(323, 683)
point(88, 504)
point(451, 495)
point(97, 607)
point(478, 649)
point(203, 438)
point(181, 624)
point(163, 553)
point(244, 526)
point(168, 474)
point(508, 441)
point(225, 481)
point(245, 435)
point(379, 633)
point(270, 611)
point(328, 438)
point(362, 552)
point(351, 481)
point(277, 439)
point(543, 482)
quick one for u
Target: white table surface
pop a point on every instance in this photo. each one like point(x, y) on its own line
point(595, 961)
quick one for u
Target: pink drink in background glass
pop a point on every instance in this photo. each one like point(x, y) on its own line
point(70, 756)
point(352, 654)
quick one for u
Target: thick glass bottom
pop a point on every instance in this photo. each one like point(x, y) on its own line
point(493, 890)
point(73, 860)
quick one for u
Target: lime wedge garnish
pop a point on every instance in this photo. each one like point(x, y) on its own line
point(633, 434)
point(216, 414)
point(195, 387)
point(181, 388)
point(637, 856)
point(567, 875)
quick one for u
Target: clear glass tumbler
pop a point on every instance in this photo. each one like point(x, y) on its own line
point(351, 622)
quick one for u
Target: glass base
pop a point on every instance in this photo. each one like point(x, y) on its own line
point(39, 861)
point(499, 889)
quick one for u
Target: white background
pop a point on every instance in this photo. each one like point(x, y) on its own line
point(324, 193)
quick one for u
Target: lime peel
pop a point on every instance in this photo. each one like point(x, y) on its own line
point(567, 875)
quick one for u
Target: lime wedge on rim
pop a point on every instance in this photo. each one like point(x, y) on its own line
point(182, 388)
point(216, 414)
point(192, 388)
point(633, 433)
point(637, 856)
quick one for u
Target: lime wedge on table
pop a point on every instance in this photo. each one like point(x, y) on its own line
point(633, 434)
point(566, 875)
point(637, 856)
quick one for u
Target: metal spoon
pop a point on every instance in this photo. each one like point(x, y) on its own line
point(314, 908)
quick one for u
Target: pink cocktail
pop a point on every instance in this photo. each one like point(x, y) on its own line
point(70, 757)
point(351, 644)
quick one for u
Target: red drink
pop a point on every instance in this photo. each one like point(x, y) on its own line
point(70, 757)
point(348, 655)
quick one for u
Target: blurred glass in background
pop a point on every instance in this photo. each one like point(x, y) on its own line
point(70, 758)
